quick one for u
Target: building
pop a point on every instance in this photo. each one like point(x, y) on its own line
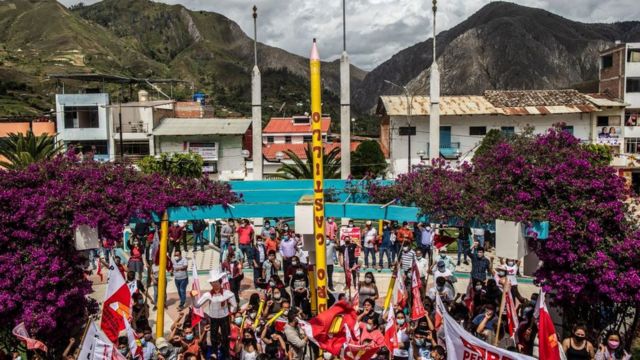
point(619, 78)
point(466, 119)
point(22, 126)
point(224, 144)
point(293, 130)
point(82, 121)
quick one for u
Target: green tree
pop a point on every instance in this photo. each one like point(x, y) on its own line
point(21, 150)
point(491, 139)
point(180, 165)
point(603, 154)
point(368, 159)
point(301, 169)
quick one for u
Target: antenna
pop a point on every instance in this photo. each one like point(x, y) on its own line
point(344, 26)
point(255, 35)
point(435, 8)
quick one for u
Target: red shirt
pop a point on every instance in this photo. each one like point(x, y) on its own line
point(271, 244)
point(245, 235)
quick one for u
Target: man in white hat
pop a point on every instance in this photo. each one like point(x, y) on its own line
point(221, 303)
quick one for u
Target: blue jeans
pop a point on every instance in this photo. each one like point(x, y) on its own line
point(224, 245)
point(248, 253)
point(198, 239)
point(383, 251)
point(182, 289)
point(368, 251)
point(480, 240)
point(462, 249)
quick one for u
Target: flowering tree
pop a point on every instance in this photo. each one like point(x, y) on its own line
point(591, 261)
point(42, 281)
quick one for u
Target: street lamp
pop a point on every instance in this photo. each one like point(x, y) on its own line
point(409, 101)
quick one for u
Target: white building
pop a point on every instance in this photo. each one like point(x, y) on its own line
point(465, 120)
point(224, 144)
point(81, 120)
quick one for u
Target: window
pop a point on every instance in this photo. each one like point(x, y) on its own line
point(301, 120)
point(568, 129)
point(631, 117)
point(287, 139)
point(633, 55)
point(607, 61)
point(478, 130)
point(508, 130)
point(133, 148)
point(603, 121)
point(307, 138)
point(633, 85)
point(269, 139)
point(631, 145)
point(81, 117)
point(96, 147)
point(210, 167)
point(407, 130)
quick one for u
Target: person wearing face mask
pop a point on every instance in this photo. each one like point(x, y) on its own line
point(295, 338)
point(139, 313)
point(464, 235)
point(368, 288)
point(226, 236)
point(245, 239)
point(426, 240)
point(123, 348)
point(511, 267)
point(370, 331)
point(577, 347)
point(198, 227)
point(423, 269)
point(233, 269)
point(407, 257)
point(267, 230)
point(259, 257)
point(291, 270)
point(486, 322)
point(148, 348)
point(270, 266)
point(405, 234)
point(330, 256)
point(190, 343)
point(422, 345)
point(611, 348)
point(136, 251)
point(440, 288)
point(299, 285)
point(166, 350)
point(369, 238)
point(181, 277)
point(274, 343)
point(480, 265)
point(248, 348)
point(288, 249)
point(274, 304)
point(385, 245)
point(349, 252)
point(402, 333)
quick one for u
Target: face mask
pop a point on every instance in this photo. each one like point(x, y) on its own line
point(419, 257)
point(441, 268)
point(143, 341)
point(238, 320)
point(327, 355)
point(299, 272)
point(276, 296)
point(123, 351)
point(510, 263)
point(247, 340)
point(578, 338)
point(478, 287)
point(285, 228)
point(440, 288)
point(419, 342)
point(613, 344)
point(285, 238)
point(502, 274)
point(136, 243)
point(528, 309)
point(369, 327)
point(189, 337)
point(294, 263)
point(368, 280)
point(253, 315)
point(400, 322)
point(272, 283)
point(350, 225)
point(405, 248)
point(266, 226)
point(141, 301)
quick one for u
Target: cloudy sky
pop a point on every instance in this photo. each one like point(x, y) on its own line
point(377, 29)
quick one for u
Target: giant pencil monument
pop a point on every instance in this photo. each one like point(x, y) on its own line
point(318, 179)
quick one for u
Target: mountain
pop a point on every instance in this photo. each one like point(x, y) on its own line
point(146, 39)
point(502, 46)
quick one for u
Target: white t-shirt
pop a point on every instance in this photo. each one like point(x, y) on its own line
point(402, 338)
point(370, 237)
point(446, 274)
point(511, 273)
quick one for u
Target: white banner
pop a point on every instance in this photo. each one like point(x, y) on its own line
point(463, 346)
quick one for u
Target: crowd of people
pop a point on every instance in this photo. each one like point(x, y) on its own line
point(263, 321)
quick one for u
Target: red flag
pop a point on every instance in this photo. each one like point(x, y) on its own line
point(399, 295)
point(391, 332)
point(318, 328)
point(440, 241)
point(347, 270)
point(512, 316)
point(20, 331)
point(99, 271)
point(440, 309)
point(417, 308)
point(361, 352)
point(135, 347)
point(280, 323)
point(549, 348)
point(196, 314)
point(117, 303)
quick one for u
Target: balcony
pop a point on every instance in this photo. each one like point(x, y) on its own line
point(138, 127)
point(450, 151)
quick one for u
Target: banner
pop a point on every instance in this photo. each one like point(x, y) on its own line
point(390, 331)
point(353, 233)
point(20, 331)
point(96, 345)
point(197, 314)
point(417, 308)
point(117, 303)
point(461, 345)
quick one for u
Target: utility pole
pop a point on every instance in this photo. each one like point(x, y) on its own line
point(434, 114)
point(256, 104)
point(345, 103)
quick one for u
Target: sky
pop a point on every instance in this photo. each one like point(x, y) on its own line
point(377, 29)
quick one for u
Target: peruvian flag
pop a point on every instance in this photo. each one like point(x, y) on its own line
point(134, 347)
point(399, 295)
point(96, 346)
point(20, 331)
point(318, 328)
point(548, 340)
point(440, 310)
point(391, 332)
point(512, 315)
point(117, 303)
point(361, 352)
point(196, 314)
point(417, 308)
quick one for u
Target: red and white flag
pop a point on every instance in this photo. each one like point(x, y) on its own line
point(399, 295)
point(96, 346)
point(20, 331)
point(347, 270)
point(134, 346)
point(117, 303)
point(512, 315)
point(417, 308)
point(318, 328)
point(391, 331)
point(197, 314)
point(440, 310)
point(549, 347)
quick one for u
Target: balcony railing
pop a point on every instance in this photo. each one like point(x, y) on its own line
point(131, 128)
point(448, 151)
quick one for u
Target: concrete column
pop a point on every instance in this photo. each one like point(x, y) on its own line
point(434, 114)
point(345, 117)
point(256, 114)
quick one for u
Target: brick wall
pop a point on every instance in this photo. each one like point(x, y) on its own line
point(189, 109)
point(612, 78)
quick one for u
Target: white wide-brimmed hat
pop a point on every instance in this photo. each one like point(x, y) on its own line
point(216, 275)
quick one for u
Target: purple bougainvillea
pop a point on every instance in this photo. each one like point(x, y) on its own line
point(42, 280)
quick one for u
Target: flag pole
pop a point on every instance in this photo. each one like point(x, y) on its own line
point(502, 301)
point(162, 274)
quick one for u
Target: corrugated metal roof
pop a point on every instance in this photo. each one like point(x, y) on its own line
point(211, 126)
point(449, 105)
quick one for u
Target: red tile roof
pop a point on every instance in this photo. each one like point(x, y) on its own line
point(286, 125)
point(269, 151)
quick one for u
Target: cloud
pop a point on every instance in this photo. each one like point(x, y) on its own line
point(377, 29)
